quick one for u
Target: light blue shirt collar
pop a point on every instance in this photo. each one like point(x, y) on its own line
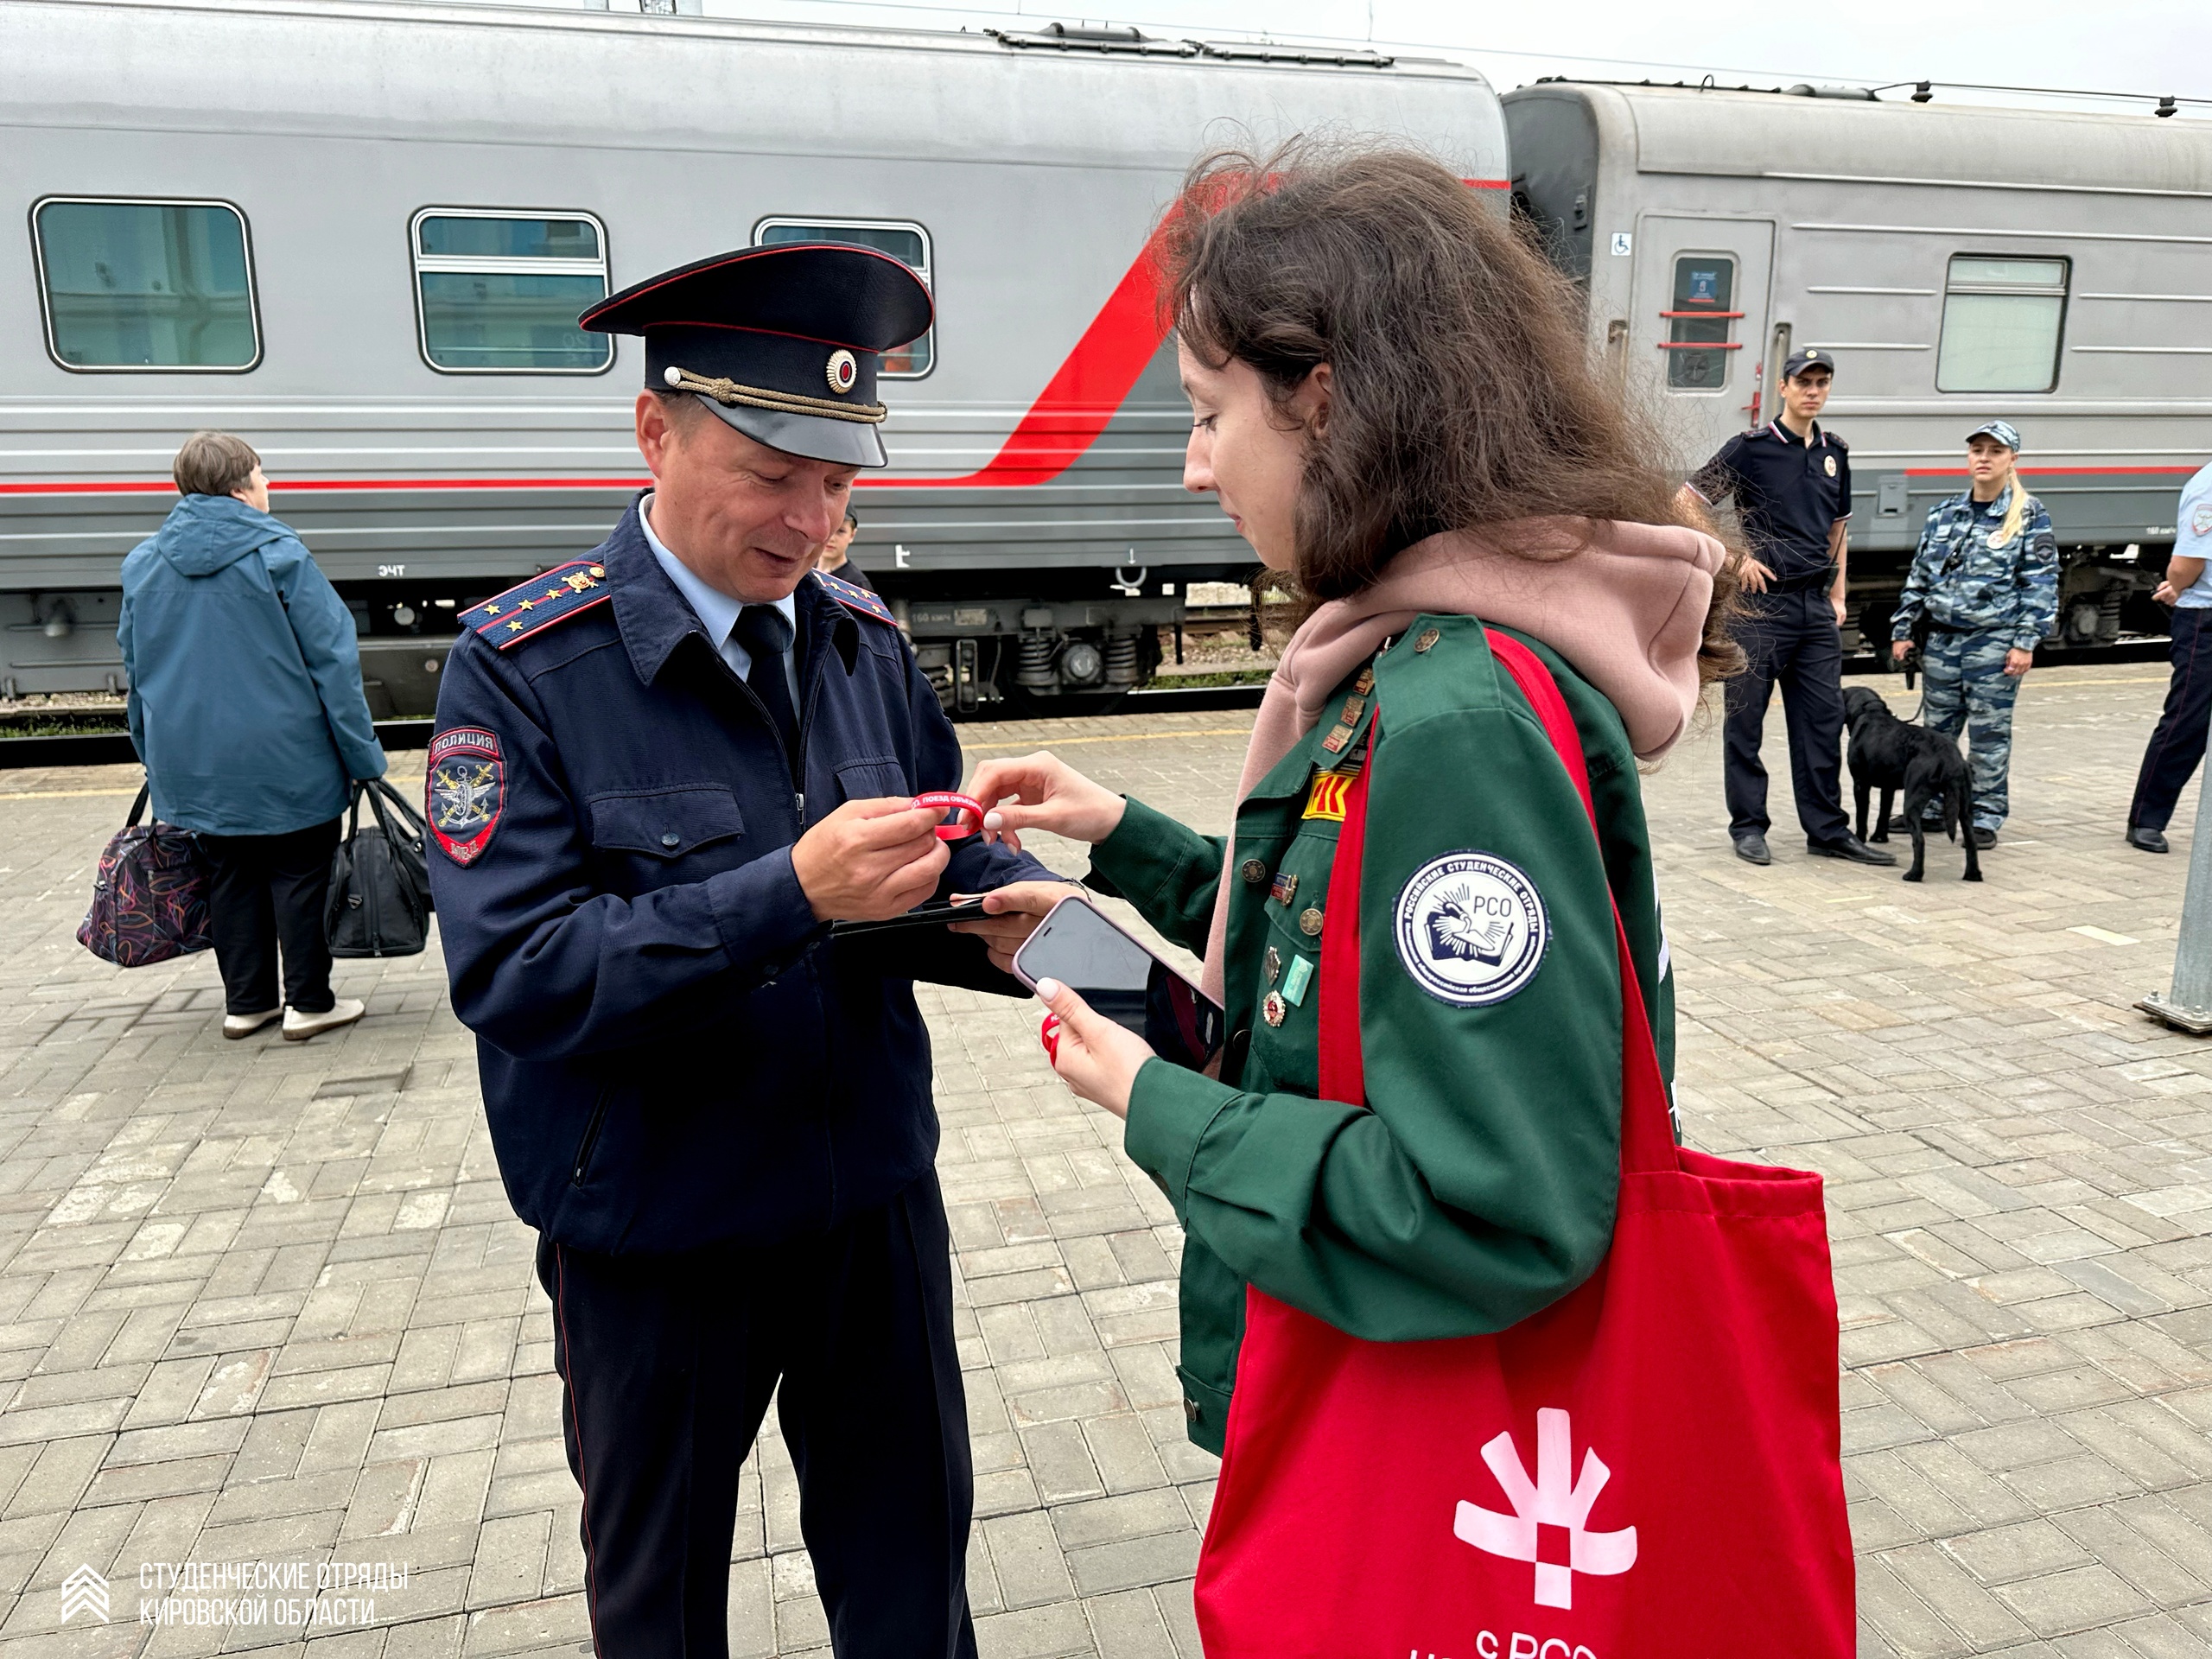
point(716, 611)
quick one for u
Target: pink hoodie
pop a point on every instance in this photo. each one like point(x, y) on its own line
point(1627, 610)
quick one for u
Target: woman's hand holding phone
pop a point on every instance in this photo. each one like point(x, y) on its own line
point(1097, 1056)
point(1042, 792)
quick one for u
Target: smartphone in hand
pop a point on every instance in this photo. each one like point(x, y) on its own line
point(1120, 977)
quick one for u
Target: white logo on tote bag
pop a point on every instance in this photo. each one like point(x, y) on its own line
point(1546, 1525)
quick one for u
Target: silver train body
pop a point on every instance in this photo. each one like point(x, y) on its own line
point(1959, 262)
point(1031, 527)
point(382, 179)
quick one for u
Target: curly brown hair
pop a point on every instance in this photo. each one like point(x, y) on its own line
point(1462, 392)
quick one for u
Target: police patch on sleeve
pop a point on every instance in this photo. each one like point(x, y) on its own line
point(466, 790)
point(1471, 929)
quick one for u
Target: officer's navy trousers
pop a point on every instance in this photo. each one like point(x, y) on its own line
point(2178, 743)
point(668, 1364)
point(1791, 640)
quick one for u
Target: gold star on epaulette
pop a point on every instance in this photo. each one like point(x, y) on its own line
point(552, 593)
point(491, 610)
point(527, 605)
point(515, 626)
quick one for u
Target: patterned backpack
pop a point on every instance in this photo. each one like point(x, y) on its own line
point(150, 900)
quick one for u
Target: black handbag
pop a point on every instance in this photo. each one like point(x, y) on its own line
point(379, 903)
point(150, 899)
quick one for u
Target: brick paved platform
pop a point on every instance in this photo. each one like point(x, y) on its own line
point(261, 1301)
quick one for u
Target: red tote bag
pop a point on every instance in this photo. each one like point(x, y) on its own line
point(1648, 1469)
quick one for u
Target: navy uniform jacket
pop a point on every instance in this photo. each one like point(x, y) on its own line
point(673, 1049)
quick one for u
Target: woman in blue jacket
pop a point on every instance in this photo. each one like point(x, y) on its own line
point(247, 708)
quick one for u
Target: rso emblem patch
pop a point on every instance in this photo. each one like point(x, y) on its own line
point(1471, 929)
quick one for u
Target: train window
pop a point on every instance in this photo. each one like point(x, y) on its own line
point(1700, 318)
point(900, 238)
point(2002, 319)
point(500, 293)
point(146, 285)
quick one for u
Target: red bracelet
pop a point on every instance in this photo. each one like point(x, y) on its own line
point(1050, 1034)
point(946, 800)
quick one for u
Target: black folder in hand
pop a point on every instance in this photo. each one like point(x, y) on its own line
point(932, 914)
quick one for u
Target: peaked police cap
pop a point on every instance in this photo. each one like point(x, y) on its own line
point(782, 342)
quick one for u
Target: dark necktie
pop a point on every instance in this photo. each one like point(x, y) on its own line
point(766, 636)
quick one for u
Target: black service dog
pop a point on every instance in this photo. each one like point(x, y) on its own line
point(1889, 755)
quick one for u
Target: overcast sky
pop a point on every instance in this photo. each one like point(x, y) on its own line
point(2148, 46)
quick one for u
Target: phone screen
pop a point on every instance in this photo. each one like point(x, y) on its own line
point(1119, 978)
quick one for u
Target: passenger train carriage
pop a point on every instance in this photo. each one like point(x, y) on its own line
point(1960, 264)
point(358, 234)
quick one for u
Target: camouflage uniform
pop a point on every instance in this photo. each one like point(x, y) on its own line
point(1981, 601)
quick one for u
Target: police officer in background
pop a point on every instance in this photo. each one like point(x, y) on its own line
point(834, 560)
point(660, 775)
point(2177, 744)
point(1791, 483)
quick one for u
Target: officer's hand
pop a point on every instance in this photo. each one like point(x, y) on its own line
point(1899, 650)
point(1042, 792)
point(1096, 1057)
point(2018, 662)
point(1754, 575)
point(1011, 914)
point(869, 860)
point(2164, 593)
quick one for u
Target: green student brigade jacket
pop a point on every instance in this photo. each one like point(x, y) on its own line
point(1478, 1184)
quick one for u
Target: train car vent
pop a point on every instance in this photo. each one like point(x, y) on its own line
point(1262, 52)
point(1064, 37)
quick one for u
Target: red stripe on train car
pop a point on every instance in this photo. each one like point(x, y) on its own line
point(2059, 472)
point(281, 486)
point(974, 480)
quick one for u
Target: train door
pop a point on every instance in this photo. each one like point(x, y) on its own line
point(1700, 314)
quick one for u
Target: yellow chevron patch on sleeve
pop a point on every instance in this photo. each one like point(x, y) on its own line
point(1330, 790)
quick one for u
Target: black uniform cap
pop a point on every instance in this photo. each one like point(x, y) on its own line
point(781, 342)
point(1812, 358)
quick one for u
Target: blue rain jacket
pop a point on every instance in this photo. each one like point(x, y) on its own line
point(245, 683)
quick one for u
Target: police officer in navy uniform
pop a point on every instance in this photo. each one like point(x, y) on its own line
point(660, 773)
point(1791, 482)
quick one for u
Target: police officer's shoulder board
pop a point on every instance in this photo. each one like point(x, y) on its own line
point(532, 606)
point(853, 597)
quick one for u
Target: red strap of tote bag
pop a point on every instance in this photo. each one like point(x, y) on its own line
point(1648, 1469)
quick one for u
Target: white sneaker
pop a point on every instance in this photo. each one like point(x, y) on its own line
point(236, 1025)
point(298, 1026)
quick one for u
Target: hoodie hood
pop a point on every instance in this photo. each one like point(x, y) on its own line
point(205, 533)
point(1624, 603)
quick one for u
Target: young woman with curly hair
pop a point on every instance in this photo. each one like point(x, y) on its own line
point(1392, 400)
